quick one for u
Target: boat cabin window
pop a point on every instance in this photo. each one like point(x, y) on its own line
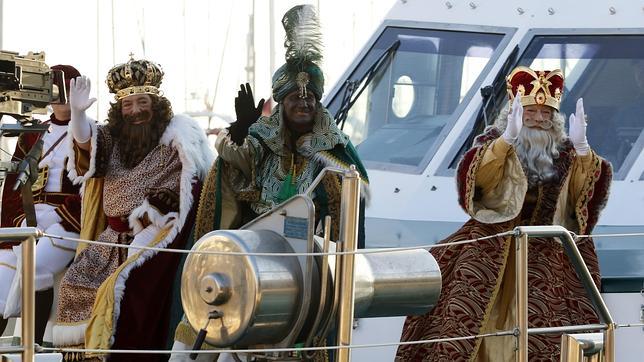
point(607, 71)
point(413, 93)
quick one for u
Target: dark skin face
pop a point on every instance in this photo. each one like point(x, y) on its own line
point(299, 113)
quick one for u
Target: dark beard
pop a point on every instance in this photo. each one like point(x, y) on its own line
point(136, 141)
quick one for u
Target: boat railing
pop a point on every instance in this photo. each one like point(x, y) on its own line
point(572, 344)
point(522, 234)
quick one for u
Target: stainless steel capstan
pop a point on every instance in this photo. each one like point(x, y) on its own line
point(259, 286)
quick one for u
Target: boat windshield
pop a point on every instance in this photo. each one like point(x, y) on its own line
point(607, 71)
point(399, 119)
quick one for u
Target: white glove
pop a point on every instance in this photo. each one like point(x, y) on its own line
point(577, 129)
point(515, 121)
point(79, 102)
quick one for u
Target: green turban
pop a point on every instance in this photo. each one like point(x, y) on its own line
point(303, 54)
point(285, 81)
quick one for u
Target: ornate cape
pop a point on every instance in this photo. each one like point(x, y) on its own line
point(478, 279)
point(138, 319)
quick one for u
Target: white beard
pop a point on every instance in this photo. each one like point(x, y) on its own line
point(537, 149)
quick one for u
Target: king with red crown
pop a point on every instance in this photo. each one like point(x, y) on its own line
point(523, 170)
point(536, 88)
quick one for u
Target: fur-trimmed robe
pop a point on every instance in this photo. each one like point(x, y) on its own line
point(132, 306)
point(478, 278)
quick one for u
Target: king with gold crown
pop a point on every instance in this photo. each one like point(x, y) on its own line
point(523, 170)
point(141, 172)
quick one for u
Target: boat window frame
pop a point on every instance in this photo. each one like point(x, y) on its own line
point(506, 33)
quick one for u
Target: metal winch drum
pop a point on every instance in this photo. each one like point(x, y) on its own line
point(257, 298)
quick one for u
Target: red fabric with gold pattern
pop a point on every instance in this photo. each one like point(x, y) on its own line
point(472, 273)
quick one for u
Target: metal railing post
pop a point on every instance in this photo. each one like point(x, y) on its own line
point(28, 235)
point(349, 237)
point(572, 350)
point(28, 298)
point(609, 343)
point(521, 241)
point(577, 261)
point(584, 347)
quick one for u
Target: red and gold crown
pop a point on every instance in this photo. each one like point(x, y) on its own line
point(134, 77)
point(536, 88)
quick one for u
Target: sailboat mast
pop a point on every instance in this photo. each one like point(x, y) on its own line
point(250, 51)
point(1, 21)
point(271, 34)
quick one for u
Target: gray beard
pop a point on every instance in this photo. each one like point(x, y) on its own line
point(537, 149)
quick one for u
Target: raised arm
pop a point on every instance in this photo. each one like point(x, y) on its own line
point(79, 102)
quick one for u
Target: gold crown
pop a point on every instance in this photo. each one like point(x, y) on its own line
point(134, 77)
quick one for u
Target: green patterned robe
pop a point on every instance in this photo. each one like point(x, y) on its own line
point(248, 180)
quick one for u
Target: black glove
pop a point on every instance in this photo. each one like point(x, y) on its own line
point(246, 112)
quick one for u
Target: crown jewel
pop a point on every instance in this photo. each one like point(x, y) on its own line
point(134, 77)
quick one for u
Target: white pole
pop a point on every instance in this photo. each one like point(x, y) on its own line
point(271, 34)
